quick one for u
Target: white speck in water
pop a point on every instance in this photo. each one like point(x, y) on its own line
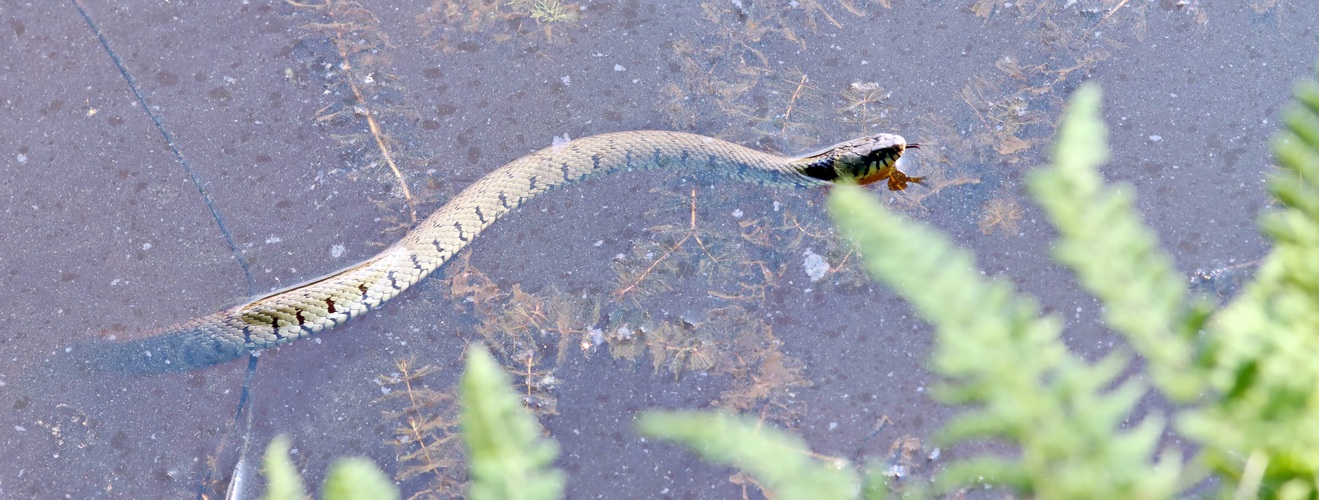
point(560, 142)
point(833, 425)
point(895, 471)
point(273, 239)
point(114, 282)
point(737, 213)
point(22, 158)
point(20, 428)
point(146, 246)
point(599, 242)
point(776, 206)
point(619, 67)
point(566, 80)
point(1156, 138)
point(337, 251)
point(815, 265)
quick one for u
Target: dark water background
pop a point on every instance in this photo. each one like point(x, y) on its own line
point(104, 229)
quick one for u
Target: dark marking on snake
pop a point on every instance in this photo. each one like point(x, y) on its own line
point(564, 167)
point(531, 185)
point(819, 171)
point(480, 216)
point(459, 225)
point(329, 306)
point(362, 287)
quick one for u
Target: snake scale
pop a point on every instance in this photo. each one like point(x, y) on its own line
point(318, 305)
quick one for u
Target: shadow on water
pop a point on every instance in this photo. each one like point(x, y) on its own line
point(220, 151)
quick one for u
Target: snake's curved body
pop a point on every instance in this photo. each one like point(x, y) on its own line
point(310, 308)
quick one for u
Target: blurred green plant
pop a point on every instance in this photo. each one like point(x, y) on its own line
point(778, 459)
point(1246, 377)
point(1006, 362)
point(1260, 430)
point(507, 458)
point(349, 478)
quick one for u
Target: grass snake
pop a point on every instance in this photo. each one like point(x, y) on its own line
point(309, 308)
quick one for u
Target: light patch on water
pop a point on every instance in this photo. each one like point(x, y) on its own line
point(815, 265)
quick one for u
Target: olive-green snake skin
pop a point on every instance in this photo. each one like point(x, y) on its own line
point(310, 308)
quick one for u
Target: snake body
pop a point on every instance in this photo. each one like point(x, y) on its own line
point(318, 305)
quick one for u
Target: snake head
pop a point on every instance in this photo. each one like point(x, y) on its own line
point(862, 160)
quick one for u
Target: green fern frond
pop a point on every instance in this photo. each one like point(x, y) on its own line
point(1115, 256)
point(1262, 432)
point(507, 458)
point(349, 478)
point(358, 479)
point(777, 459)
point(282, 479)
point(1007, 362)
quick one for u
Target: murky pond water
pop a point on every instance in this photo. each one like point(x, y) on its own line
point(286, 123)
